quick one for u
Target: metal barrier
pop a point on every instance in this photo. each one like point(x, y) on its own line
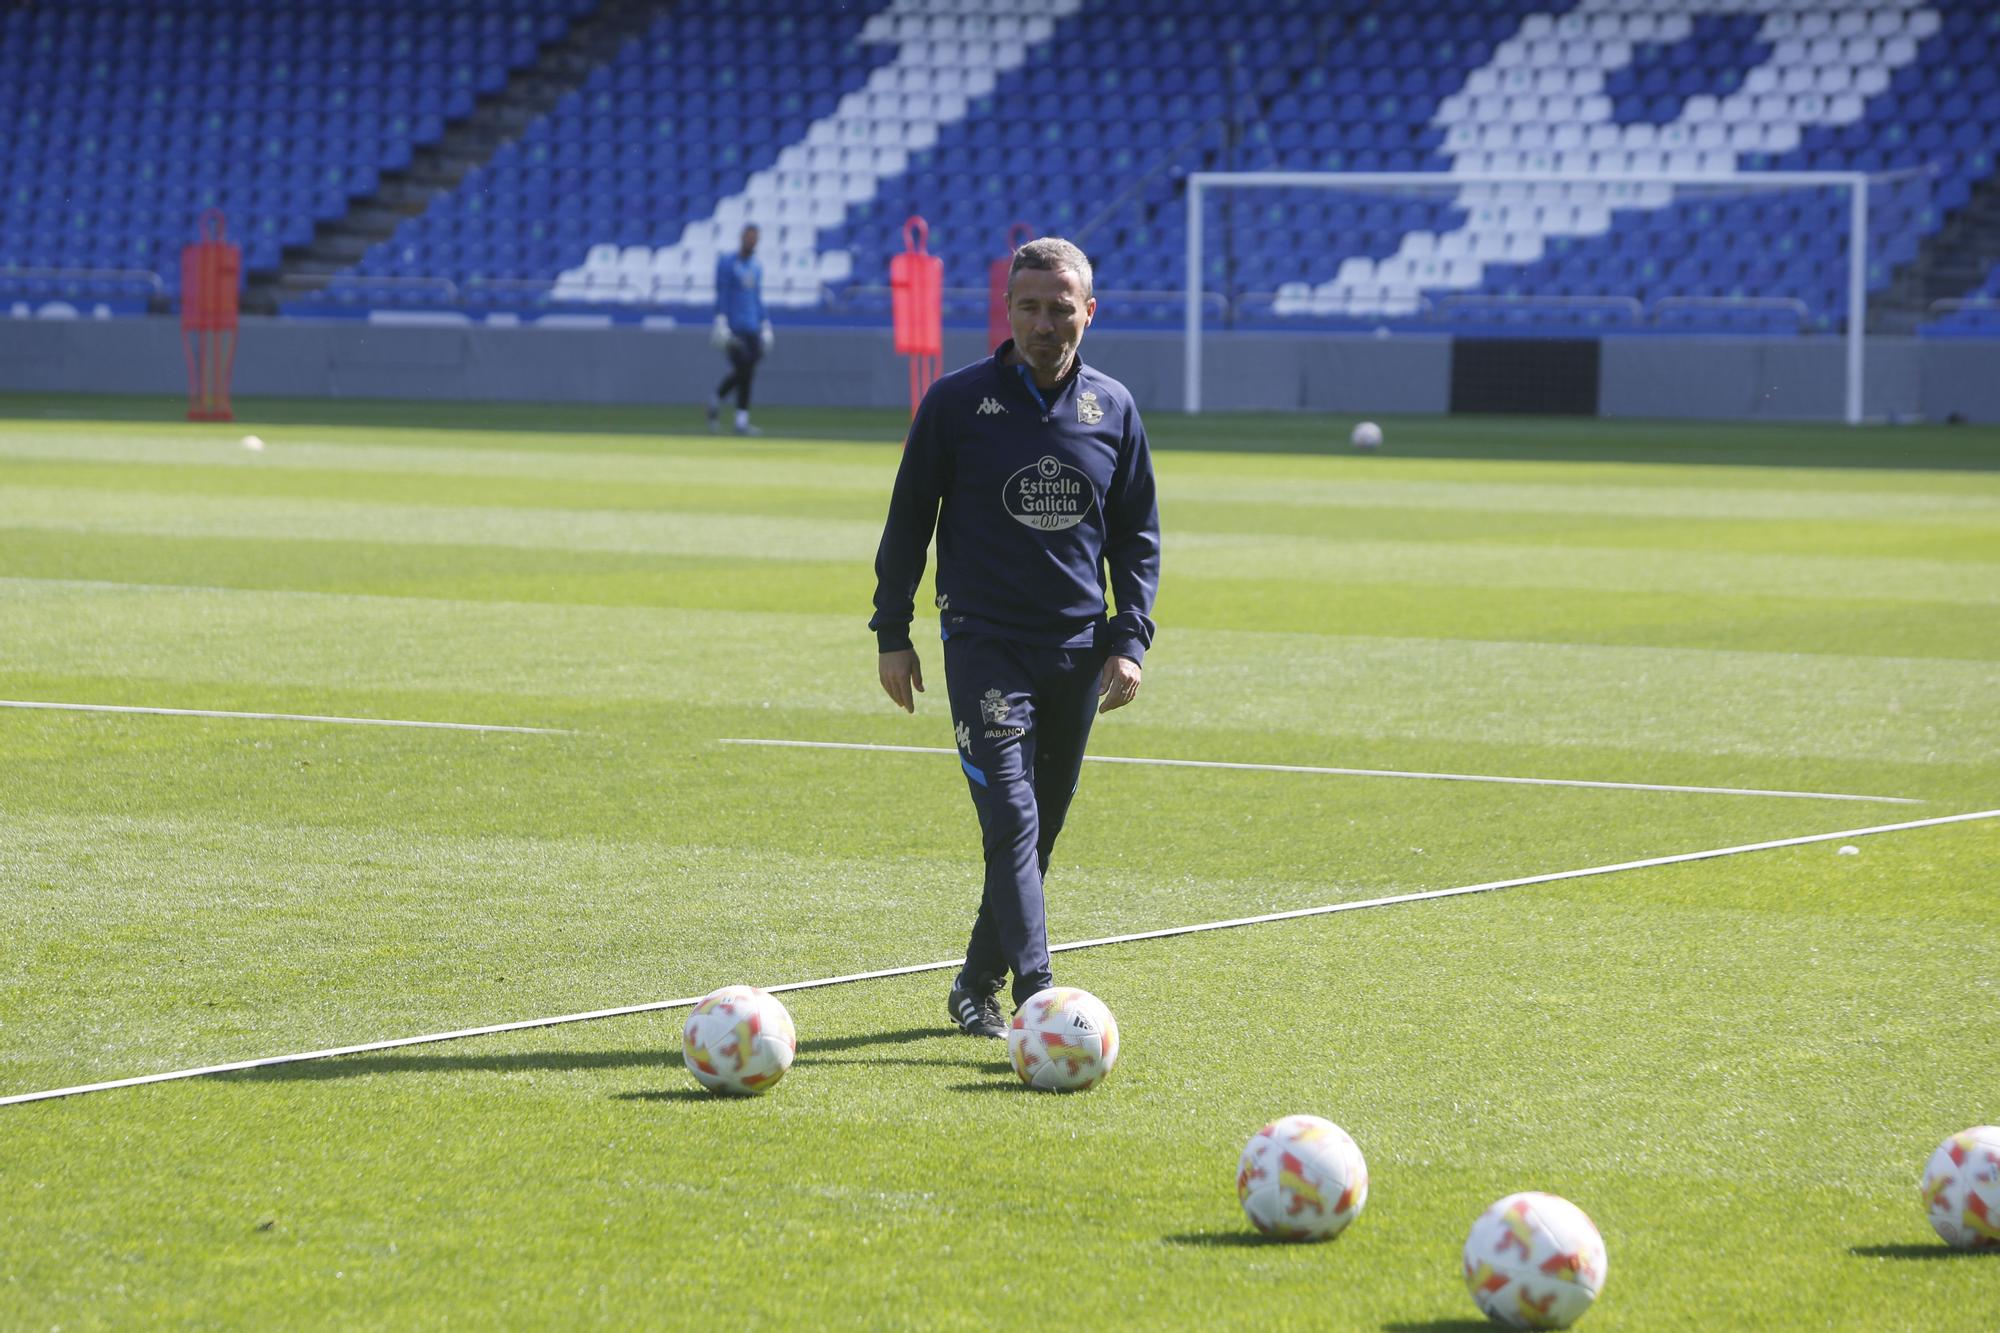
point(156, 285)
point(1953, 304)
point(1498, 301)
point(313, 283)
point(1790, 305)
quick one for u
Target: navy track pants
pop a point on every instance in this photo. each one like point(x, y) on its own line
point(1022, 715)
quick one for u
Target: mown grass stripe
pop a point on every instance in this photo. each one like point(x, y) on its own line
point(1363, 772)
point(279, 717)
point(911, 969)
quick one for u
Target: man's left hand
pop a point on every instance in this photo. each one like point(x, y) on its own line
point(1119, 685)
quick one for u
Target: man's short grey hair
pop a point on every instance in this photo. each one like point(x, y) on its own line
point(1056, 255)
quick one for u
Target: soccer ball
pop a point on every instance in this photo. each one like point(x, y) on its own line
point(1534, 1261)
point(1301, 1178)
point(740, 1040)
point(1063, 1040)
point(1367, 435)
point(1962, 1189)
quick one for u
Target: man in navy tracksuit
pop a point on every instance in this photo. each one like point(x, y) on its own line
point(1034, 473)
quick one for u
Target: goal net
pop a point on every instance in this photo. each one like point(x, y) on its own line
point(1549, 254)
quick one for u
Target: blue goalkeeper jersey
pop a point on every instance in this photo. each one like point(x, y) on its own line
point(739, 292)
point(1041, 502)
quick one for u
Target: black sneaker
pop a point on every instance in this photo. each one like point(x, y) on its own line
point(977, 1015)
point(714, 419)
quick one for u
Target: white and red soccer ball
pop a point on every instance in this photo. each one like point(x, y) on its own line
point(1961, 1189)
point(1534, 1261)
point(1063, 1040)
point(1301, 1178)
point(740, 1040)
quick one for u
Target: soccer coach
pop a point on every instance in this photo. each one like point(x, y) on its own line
point(1034, 473)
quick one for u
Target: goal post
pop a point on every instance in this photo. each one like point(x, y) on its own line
point(1400, 296)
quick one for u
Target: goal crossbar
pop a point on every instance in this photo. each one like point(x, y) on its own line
point(1854, 182)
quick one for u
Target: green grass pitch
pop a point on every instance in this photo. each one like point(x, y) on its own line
point(1736, 1067)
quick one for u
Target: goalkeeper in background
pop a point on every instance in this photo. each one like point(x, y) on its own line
point(741, 330)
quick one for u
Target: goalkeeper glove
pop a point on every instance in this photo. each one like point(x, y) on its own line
point(718, 336)
point(766, 336)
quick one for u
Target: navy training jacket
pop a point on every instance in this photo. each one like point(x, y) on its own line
point(1030, 500)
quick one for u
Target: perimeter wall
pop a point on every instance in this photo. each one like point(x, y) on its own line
point(1707, 378)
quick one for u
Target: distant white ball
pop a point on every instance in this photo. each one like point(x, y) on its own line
point(1961, 1189)
point(253, 443)
point(1534, 1261)
point(1367, 435)
point(739, 1039)
point(1849, 850)
point(1063, 1040)
point(1301, 1178)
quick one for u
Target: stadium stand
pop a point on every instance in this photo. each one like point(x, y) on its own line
point(126, 120)
point(828, 127)
point(1976, 314)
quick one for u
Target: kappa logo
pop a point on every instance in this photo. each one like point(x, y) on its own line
point(964, 737)
point(993, 707)
point(1087, 409)
point(989, 407)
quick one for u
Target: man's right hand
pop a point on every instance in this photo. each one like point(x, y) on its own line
point(718, 336)
point(900, 671)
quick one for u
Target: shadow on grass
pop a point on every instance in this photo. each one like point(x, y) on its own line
point(675, 1095)
point(354, 1066)
point(1937, 1251)
point(864, 1039)
point(995, 1085)
point(1231, 1240)
point(1440, 1326)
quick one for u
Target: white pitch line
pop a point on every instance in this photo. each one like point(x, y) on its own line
point(1361, 772)
point(913, 968)
point(283, 717)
